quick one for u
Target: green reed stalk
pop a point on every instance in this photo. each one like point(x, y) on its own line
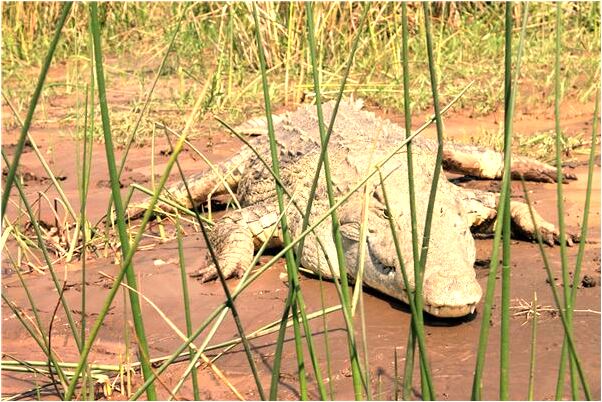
point(295, 295)
point(227, 292)
point(561, 225)
point(32, 106)
point(412, 299)
point(84, 182)
point(84, 186)
point(87, 158)
point(358, 294)
point(485, 320)
point(314, 184)
point(126, 262)
point(186, 300)
point(503, 210)
point(429, 393)
point(559, 306)
point(267, 265)
point(356, 372)
point(120, 215)
point(505, 219)
point(366, 368)
point(409, 365)
point(583, 234)
point(326, 343)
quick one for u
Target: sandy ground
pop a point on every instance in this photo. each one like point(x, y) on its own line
point(451, 344)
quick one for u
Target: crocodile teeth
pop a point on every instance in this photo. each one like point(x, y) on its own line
point(473, 308)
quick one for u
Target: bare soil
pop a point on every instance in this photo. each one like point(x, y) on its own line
point(451, 344)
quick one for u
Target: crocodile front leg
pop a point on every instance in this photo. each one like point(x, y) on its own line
point(481, 208)
point(489, 164)
point(236, 236)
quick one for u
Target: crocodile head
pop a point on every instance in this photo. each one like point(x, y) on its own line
point(450, 287)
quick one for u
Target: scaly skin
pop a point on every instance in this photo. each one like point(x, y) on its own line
point(359, 140)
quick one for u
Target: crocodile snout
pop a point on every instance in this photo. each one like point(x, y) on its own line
point(451, 294)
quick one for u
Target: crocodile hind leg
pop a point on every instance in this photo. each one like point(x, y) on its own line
point(489, 164)
point(221, 179)
point(236, 236)
point(481, 208)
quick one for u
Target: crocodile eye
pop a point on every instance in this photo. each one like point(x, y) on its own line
point(386, 213)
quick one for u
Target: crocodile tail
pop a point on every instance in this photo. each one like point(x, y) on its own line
point(222, 178)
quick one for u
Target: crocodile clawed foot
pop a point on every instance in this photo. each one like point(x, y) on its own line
point(552, 237)
point(567, 176)
point(571, 238)
point(206, 274)
point(548, 237)
point(546, 176)
point(210, 273)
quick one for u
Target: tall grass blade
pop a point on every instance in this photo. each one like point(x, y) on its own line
point(338, 241)
point(126, 262)
point(411, 345)
point(583, 234)
point(505, 219)
point(502, 211)
point(429, 392)
point(295, 297)
point(84, 186)
point(223, 313)
point(341, 90)
point(116, 194)
point(10, 177)
point(559, 306)
point(568, 305)
point(186, 300)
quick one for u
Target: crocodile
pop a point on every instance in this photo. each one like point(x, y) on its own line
point(359, 141)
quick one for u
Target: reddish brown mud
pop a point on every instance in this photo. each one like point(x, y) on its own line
point(451, 344)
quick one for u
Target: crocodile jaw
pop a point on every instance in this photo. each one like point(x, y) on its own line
point(450, 311)
point(461, 308)
point(449, 293)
